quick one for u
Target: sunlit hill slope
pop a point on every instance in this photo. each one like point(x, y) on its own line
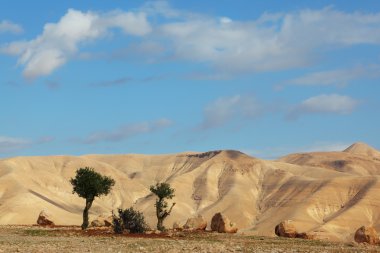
point(329, 194)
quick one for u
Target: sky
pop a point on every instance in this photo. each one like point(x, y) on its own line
point(267, 78)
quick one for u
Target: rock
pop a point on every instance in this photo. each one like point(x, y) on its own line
point(44, 219)
point(366, 235)
point(196, 223)
point(177, 226)
point(222, 224)
point(304, 235)
point(108, 221)
point(96, 223)
point(286, 229)
point(102, 221)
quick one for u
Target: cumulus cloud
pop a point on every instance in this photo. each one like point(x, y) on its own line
point(8, 26)
point(60, 41)
point(340, 77)
point(272, 42)
point(127, 131)
point(225, 109)
point(8, 144)
point(333, 103)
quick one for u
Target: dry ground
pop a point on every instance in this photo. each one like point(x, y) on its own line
point(72, 239)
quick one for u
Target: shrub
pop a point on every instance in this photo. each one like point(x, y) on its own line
point(117, 225)
point(131, 220)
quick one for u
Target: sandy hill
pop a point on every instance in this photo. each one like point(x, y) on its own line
point(363, 149)
point(330, 194)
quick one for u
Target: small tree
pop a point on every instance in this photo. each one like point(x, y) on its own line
point(89, 184)
point(162, 191)
point(130, 219)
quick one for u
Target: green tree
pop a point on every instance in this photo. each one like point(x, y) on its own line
point(162, 191)
point(89, 184)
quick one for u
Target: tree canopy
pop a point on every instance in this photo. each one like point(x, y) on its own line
point(162, 190)
point(89, 184)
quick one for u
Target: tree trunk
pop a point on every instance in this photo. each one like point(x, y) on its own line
point(160, 224)
point(85, 213)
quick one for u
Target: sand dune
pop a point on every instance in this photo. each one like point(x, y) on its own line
point(330, 194)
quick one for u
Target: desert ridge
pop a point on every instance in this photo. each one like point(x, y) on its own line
point(327, 194)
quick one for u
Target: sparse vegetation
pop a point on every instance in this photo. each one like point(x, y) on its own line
point(36, 232)
point(89, 184)
point(73, 239)
point(163, 191)
point(131, 220)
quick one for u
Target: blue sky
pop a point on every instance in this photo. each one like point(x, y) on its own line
point(154, 77)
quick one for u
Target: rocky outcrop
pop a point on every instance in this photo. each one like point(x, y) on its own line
point(44, 219)
point(286, 229)
point(101, 221)
point(222, 224)
point(196, 223)
point(366, 235)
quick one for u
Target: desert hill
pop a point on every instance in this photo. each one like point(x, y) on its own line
point(329, 194)
point(358, 159)
point(363, 149)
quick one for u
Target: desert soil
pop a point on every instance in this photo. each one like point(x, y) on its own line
point(72, 239)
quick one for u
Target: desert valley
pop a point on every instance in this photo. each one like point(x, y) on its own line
point(326, 194)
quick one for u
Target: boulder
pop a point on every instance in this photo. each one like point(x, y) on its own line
point(44, 219)
point(286, 229)
point(101, 221)
point(304, 235)
point(177, 226)
point(366, 235)
point(196, 223)
point(222, 224)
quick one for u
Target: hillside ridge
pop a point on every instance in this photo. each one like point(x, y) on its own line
point(327, 193)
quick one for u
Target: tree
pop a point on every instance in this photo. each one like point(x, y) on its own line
point(89, 184)
point(162, 191)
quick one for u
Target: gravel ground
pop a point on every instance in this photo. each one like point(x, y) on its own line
point(72, 239)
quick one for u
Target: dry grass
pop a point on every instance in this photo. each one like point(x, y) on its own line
point(72, 239)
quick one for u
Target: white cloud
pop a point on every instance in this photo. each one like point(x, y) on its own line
point(224, 109)
point(272, 42)
point(14, 48)
point(8, 144)
point(60, 41)
point(340, 77)
point(333, 103)
point(225, 20)
point(161, 8)
point(8, 26)
point(128, 131)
